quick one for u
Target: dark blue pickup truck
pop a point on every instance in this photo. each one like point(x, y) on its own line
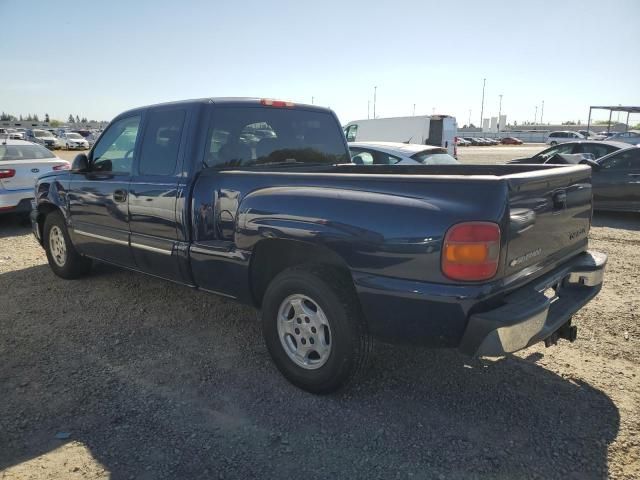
point(257, 200)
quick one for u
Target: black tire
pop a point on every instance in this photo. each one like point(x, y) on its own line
point(351, 344)
point(553, 144)
point(74, 264)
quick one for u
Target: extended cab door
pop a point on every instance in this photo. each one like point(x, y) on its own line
point(153, 193)
point(98, 198)
point(616, 185)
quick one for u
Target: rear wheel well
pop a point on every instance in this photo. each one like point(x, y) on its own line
point(272, 256)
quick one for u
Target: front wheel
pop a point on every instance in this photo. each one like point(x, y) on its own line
point(64, 259)
point(553, 144)
point(314, 329)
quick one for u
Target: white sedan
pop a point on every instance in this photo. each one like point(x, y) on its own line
point(391, 153)
point(21, 163)
point(73, 141)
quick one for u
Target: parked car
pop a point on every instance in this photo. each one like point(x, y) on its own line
point(84, 133)
point(616, 181)
point(491, 141)
point(597, 149)
point(472, 140)
point(555, 138)
point(73, 141)
point(10, 133)
point(461, 142)
point(632, 137)
point(511, 141)
point(392, 153)
point(591, 135)
point(333, 254)
point(436, 130)
point(21, 163)
point(43, 137)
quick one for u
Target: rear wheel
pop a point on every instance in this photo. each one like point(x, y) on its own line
point(553, 144)
point(314, 329)
point(64, 259)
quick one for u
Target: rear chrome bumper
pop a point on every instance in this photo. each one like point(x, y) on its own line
point(535, 311)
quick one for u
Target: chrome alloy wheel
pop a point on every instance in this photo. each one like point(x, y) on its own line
point(57, 246)
point(304, 331)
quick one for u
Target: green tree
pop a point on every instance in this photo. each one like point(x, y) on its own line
point(55, 123)
point(84, 120)
point(46, 117)
point(77, 119)
point(71, 120)
point(35, 118)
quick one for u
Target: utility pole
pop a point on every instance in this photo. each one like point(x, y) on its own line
point(414, 109)
point(499, 112)
point(484, 82)
point(535, 116)
point(311, 100)
point(469, 123)
point(375, 90)
point(368, 108)
point(542, 112)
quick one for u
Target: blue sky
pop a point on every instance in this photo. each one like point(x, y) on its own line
point(96, 59)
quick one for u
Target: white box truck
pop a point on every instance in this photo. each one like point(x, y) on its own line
point(437, 130)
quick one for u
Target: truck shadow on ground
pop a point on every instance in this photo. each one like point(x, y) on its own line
point(158, 381)
point(626, 220)
point(12, 225)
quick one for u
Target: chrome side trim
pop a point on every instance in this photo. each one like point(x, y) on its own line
point(149, 248)
point(100, 237)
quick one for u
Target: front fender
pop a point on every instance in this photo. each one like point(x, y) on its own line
point(50, 195)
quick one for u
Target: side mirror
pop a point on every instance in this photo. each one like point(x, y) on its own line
point(80, 163)
point(592, 163)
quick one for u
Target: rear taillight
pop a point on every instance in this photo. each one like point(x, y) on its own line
point(471, 251)
point(63, 166)
point(7, 172)
point(267, 102)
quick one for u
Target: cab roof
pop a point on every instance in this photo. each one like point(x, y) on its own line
point(227, 101)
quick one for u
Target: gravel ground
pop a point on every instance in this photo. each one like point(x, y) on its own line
point(120, 375)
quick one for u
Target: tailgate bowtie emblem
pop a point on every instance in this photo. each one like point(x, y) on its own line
point(35, 170)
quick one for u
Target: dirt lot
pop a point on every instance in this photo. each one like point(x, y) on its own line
point(140, 378)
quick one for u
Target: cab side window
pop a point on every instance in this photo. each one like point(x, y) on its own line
point(114, 152)
point(161, 142)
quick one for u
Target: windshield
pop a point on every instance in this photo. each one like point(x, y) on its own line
point(24, 152)
point(74, 136)
point(41, 133)
point(255, 136)
point(429, 157)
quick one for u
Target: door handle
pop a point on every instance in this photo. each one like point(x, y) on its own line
point(633, 174)
point(120, 196)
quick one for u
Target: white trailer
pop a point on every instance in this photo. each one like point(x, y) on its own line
point(437, 130)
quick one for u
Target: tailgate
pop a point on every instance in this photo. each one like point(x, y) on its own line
point(27, 172)
point(550, 215)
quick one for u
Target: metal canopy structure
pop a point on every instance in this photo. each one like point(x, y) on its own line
point(613, 108)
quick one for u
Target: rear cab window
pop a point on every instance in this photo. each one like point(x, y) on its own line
point(256, 136)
